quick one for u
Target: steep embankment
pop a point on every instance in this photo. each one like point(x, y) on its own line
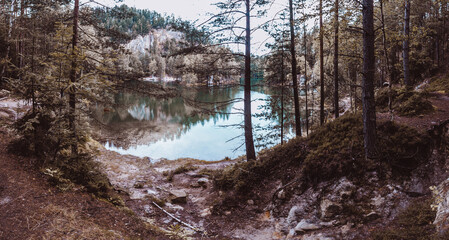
point(30, 208)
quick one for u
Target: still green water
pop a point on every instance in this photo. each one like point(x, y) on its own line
point(201, 124)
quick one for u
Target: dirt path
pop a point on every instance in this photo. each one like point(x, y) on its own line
point(424, 122)
point(31, 209)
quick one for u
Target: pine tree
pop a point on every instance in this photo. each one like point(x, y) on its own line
point(369, 108)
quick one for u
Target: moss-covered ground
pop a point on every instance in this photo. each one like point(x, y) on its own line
point(405, 102)
point(331, 152)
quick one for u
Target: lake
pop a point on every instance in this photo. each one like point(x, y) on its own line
point(203, 123)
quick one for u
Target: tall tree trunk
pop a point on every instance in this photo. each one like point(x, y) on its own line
point(21, 45)
point(369, 108)
point(444, 43)
point(406, 43)
point(336, 98)
point(294, 72)
point(313, 101)
point(387, 61)
point(33, 94)
point(8, 48)
point(305, 76)
point(321, 65)
point(282, 94)
point(72, 91)
point(249, 141)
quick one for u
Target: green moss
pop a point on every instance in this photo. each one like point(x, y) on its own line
point(406, 102)
point(439, 84)
point(207, 172)
point(336, 150)
point(244, 176)
point(415, 222)
point(415, 105)
point(331, 152)
point(401, 147)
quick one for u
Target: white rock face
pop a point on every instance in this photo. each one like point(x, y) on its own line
point(442, 199)
point(142, 44)
point(292, 214)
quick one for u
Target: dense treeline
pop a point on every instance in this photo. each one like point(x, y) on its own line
point(141, 21)
point(410, 44)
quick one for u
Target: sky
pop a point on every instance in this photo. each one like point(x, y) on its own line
point(186, 9)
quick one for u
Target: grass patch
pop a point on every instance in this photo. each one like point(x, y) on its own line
point(414, 222)
point(439, 84)
point(207, 172)
point(243, 176)
point(406, 102)
point(65, 223)
point(181, 169)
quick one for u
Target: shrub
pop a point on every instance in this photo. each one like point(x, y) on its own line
point(414, 222)
point(336, 150)
point(406, 102)
point(440, 84)
point(244, 176)
point(415, 105)
point(45, 134)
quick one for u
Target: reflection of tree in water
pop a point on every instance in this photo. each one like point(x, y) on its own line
point(135, 117)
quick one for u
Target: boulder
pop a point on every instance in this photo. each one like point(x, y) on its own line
point(281, 195)
point(305, 226)
point(178, 196)
point(205, 212)
point(378, 201)
point(291, 219)
point(329, 208)
point(202, 181)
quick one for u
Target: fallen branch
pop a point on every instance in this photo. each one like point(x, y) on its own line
point(177, 219)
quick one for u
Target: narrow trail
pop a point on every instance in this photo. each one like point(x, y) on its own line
point(32, 209)
point(424, 122)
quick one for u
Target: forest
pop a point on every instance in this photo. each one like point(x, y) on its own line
point(253, 119)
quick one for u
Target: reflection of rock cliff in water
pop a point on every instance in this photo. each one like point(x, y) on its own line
point(138, 120)
point(129, 134)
